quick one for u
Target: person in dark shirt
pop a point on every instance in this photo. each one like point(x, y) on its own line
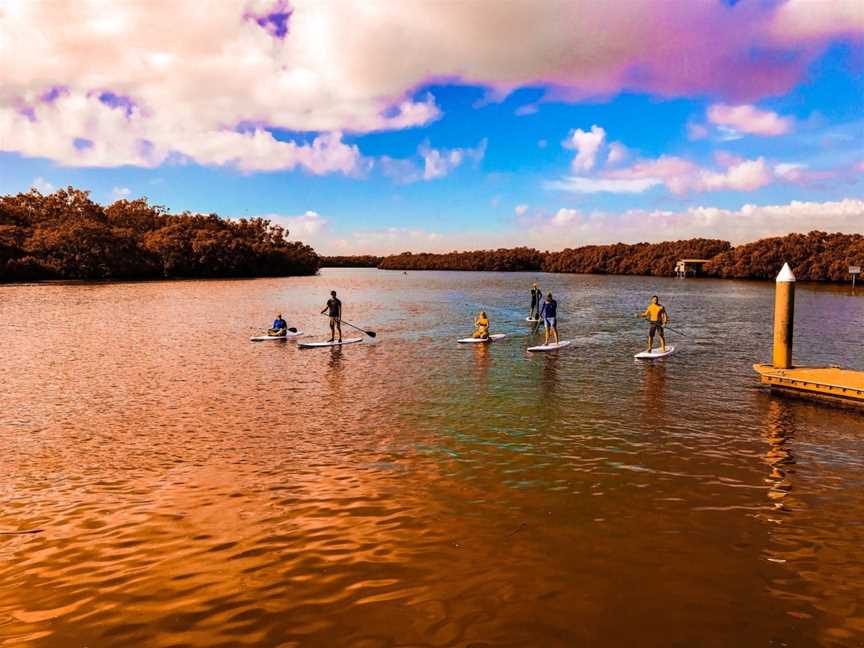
point(334, 310)
point(549, 313)
point(280, 326)
point(536, 300)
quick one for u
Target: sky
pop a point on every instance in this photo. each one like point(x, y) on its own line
point(379, 126)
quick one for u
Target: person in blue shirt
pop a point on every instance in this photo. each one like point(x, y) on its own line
point(280, 326)
point(549, 314)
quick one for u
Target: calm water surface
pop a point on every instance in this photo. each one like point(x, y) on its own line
point(191, 488)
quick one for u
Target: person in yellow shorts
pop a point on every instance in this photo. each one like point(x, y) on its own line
point(657, 318)
point(481, 326)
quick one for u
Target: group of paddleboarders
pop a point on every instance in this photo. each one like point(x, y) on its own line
point(546, 310)
point(541, 309)
point(333, 310)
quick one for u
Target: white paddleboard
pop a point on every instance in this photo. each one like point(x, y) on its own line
point(551, 347)
point(491, 338)
point(531, 319)
point(316, 345)
point(288, 336)
point(656, 353)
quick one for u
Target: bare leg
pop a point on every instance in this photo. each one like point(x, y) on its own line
point(546, 339)
point(650, 343)
point(662, 341)
point(339, 327)
point(555, 332)
point(332, 330)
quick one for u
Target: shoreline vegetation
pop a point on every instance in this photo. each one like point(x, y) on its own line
point(66, 235)
point(817, 256)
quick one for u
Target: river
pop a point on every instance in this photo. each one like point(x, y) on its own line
point(186, 487)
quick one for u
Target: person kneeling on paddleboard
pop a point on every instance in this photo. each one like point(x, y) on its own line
point(280, 326)
point(657, 319)
point(481, 326)
point(334, 310)
point(536, 299)
point(549, 313)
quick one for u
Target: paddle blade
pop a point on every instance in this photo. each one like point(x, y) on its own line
point(291, 329)
point(371, 334)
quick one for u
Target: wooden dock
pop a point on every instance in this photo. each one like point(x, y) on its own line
point(828, 383)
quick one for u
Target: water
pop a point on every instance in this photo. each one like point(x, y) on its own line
point(191, 488)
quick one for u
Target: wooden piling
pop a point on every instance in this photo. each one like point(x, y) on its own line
point(825, 383)
point(784, 318)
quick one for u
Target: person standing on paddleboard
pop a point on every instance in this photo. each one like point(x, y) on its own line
point(481, 324)
point(536, 299)
point(334, 310)
point(549, 313)
point(280, 326)
point(657, 318)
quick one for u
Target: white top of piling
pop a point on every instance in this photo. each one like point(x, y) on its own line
point(786, 275)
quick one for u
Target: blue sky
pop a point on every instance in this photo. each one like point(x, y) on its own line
point(490, 156)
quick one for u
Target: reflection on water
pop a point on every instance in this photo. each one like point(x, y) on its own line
point(778, 434)
point(195, 490)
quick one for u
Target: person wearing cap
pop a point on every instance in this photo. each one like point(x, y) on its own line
point(280, 327)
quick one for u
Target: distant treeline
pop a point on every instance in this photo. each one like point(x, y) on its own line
point(656, 259)
point(364, 261)
point(65, 235)
point(504, 260)
point(816, 256)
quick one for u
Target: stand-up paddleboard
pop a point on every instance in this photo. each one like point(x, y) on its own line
point(491, 338)
point(656, 353)
point(288, 336)
point(551, 347)
point(316, 345)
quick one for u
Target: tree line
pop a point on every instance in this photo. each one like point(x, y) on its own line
point(66, 235)
point(360, 261)
point(817, 256)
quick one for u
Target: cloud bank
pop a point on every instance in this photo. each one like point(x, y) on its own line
point(107, 83)
point(568, 227)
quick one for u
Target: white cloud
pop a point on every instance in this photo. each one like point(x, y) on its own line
point(587, 145)
point(436, 163)
point(120, 192)
point(521, 210)
point(390, 240)
point(305, 227)
point(80, 130)
point(678, 175)
point(745, 118)
point(41, 185)
point(617, 153)
point(587, 185)
point(570, 227)
point(818, 19)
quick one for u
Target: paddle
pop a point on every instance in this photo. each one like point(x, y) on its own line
point(371, 334)
point(666, 327)
point(675, 331)
point(290, 329)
